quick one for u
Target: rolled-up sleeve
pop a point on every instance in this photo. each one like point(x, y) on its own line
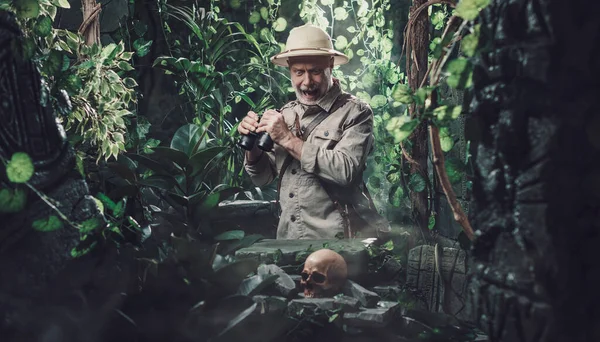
point(345, 162)
point(261, 172)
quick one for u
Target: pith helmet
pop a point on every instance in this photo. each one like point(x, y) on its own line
point(308, 40)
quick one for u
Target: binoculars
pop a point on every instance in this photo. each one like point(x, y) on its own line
point(264, 142)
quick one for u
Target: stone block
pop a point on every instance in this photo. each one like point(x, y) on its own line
point(367, 298)
point(284, 285)
point(441, 280)
point(270, 304)
point(294, 252)
point(378, 317)
point(346, 303)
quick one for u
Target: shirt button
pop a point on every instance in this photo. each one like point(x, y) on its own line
point(294, 171)
point(291, 195)
point(326, 133)
point(293, 218)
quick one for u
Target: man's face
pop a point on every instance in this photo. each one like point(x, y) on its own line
point(311, 77)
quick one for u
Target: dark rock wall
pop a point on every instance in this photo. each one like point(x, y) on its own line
point(537, 190)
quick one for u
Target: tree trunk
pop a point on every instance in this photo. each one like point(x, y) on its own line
point(416, 66)
point(90, 27)
point(537, 184)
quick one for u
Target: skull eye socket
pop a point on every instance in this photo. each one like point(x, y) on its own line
point(317, 277)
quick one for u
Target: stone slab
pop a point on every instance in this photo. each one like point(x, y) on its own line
point(378, 317)
point(366, 297)
point(294, 252)
point(347, 303)
point(270, 304)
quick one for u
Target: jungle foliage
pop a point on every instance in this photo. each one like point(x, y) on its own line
point(218, 58)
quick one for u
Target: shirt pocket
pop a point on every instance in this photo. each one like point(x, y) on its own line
point(326, 137)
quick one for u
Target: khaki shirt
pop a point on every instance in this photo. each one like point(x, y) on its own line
point(335, 152)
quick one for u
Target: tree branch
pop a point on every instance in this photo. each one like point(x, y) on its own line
point(440, 168)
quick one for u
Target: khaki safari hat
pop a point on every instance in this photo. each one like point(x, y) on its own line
point(308, 40)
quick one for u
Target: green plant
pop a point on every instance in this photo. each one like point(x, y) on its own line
point(87, 85)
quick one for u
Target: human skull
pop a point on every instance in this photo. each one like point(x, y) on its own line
point(324, 274)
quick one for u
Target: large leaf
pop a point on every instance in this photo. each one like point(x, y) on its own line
point(230, 276)
point(201, 159)
point(230, 235)
point(237, 326)
point(186, 138)
point(150, 164)
point(243, 243)
point(211, 201)
point(256, 284)
point(173, 155)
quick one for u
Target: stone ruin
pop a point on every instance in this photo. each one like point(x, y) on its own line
point(394, 303)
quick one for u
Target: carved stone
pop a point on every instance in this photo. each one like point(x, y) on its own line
point(441, 281)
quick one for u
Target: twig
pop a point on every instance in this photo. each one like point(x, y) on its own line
point(88, 21)
point(412, 19)
point(440, 168)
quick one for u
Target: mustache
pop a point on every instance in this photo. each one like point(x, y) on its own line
point(313, 88)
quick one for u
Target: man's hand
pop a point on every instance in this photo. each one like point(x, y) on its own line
point(248, 124)
point(273, 123)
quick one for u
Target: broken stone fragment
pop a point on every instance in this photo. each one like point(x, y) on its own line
point(270, 304)
point(391, 269)
point(284, 285)
point(372, 317)
point(346, 303)
point(390, 292)
point(298, 307)
point(367, 298)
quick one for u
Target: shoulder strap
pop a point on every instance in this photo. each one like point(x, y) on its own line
point(339, 102)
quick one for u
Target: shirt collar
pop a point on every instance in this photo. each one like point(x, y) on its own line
point(327, 101)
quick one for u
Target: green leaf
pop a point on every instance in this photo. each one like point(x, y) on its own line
point(340, 13)
point(49, 224)
point(264, 13)
point(19, 168)
point(12, 200)
point(230, 276)
point(125, 66)
point(417, 183)
point(402, 93)
point(43, 26)
point(400, 127)
point(460, 73)
point(27, 8)
point(256, 284)
point(54, 63)
point(61, 3)
point(447, 112)
point(142, 47)
point(254, 18)
point(341, 42)
point(333, 317)
point(89, 225)
point(446, 142)
point(469, 9)
point(327, 2)
point(230, 235)
point(280, 24)
point(454, 170)
point(171, 154)
point(470, 42)
point(200, 160)
point(431, 223)
point(129, 82)
point(378, 101)
point(186, 137)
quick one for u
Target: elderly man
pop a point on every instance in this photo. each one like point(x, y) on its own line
point(321, 144)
